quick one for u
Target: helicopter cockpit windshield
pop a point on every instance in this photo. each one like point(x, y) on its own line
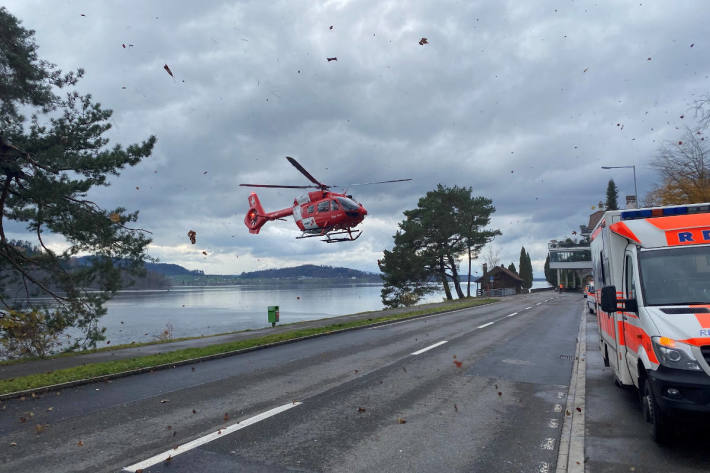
point(347, 204)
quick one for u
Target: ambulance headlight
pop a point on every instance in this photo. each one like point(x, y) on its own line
point(674, 354)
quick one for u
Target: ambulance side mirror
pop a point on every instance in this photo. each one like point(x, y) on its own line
point(609, 299)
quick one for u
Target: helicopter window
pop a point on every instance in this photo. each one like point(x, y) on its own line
point(310, 209)
point(335, 205)
point(324, 206)
point(347, 204)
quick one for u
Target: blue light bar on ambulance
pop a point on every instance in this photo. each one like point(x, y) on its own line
point(664, 212)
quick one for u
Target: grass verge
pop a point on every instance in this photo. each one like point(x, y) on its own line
point(93, 370)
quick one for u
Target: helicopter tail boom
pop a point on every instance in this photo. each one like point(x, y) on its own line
point(256, 217)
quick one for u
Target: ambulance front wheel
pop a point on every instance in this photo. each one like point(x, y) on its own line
point(659, 425)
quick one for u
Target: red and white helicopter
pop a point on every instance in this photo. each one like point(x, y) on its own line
point(320, 213)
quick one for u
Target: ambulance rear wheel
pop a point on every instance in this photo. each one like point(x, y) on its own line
point(659, 425)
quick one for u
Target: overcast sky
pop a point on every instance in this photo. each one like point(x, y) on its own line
point(521, 100)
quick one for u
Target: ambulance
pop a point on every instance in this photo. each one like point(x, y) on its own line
point(652, 277)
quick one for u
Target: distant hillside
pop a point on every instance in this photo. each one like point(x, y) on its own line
point(169, 269)
point(311, 271)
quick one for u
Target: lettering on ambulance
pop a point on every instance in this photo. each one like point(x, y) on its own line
point(703, 319)
point(688, 236)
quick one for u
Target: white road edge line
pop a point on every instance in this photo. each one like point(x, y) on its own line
point(570, 456)
point(172, 453)
point(512, 315)
point(419, 352)
point(486, 325)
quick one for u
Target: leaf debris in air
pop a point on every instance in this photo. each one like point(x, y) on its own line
point(423, 41)
point(192, 235)
point(332, 59)
point(167, 69)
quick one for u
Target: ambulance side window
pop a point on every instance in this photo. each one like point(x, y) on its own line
point(629, 271)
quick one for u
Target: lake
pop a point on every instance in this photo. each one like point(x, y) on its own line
point(140, 316)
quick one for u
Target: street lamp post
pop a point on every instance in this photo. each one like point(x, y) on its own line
point(636, 194)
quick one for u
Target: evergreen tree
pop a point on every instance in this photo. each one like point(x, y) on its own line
point(48, 164)
point(612, 193)
point(525, 266)
point(550, 274)
point(511, 267)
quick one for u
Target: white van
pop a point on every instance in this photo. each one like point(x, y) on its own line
point(652, 274)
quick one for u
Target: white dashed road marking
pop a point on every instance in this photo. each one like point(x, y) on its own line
point(527, 308)
point(548, 444)
point(161, 457)
point(511, 315)
point(419, 352)
point(486, 325)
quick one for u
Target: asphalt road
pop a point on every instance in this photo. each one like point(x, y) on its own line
point(489, 399)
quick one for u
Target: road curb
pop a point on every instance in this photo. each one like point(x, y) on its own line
point(570, 457)
point(147, 369)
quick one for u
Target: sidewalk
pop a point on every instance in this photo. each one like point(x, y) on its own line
point(53, 364)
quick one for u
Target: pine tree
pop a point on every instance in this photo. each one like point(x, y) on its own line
point(612, 193)
point(511, 267)
point(48, 164)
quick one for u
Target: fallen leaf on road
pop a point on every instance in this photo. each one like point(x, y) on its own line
point(23, 420)
point(567, 412)
point(500, 393)
point(170, 427)
point(163, 401)
point(80, 443)
point(194, 411)
point(456, 408)
point(226, 416)
point(401, 421)
point(361, 409)
point(458, 363)
point(13, 444)
point(579, 409)
point(40, 428)
point(170, 457)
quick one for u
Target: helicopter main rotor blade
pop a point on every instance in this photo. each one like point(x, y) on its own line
point(278, 187)
point(306, 173)
point(378, 182)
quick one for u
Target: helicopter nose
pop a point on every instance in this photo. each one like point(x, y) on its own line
point(363, 211)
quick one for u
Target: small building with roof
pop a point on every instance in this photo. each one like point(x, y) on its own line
point(499, 281)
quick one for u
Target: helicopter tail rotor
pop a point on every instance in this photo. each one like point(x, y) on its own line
point(255, 217)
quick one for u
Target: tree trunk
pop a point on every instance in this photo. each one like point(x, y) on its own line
point(468, 281)
point(455, 274)
point(445, 282)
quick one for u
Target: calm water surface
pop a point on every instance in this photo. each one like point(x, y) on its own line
point(191, 311)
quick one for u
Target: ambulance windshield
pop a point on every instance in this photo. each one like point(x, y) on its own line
point(676, 276)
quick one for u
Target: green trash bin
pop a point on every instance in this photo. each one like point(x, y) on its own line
point(273, 315)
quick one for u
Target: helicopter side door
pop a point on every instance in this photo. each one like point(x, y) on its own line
point(323, 213)
point(337, 214)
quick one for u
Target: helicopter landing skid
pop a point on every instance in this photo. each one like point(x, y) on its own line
point(352, 235)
